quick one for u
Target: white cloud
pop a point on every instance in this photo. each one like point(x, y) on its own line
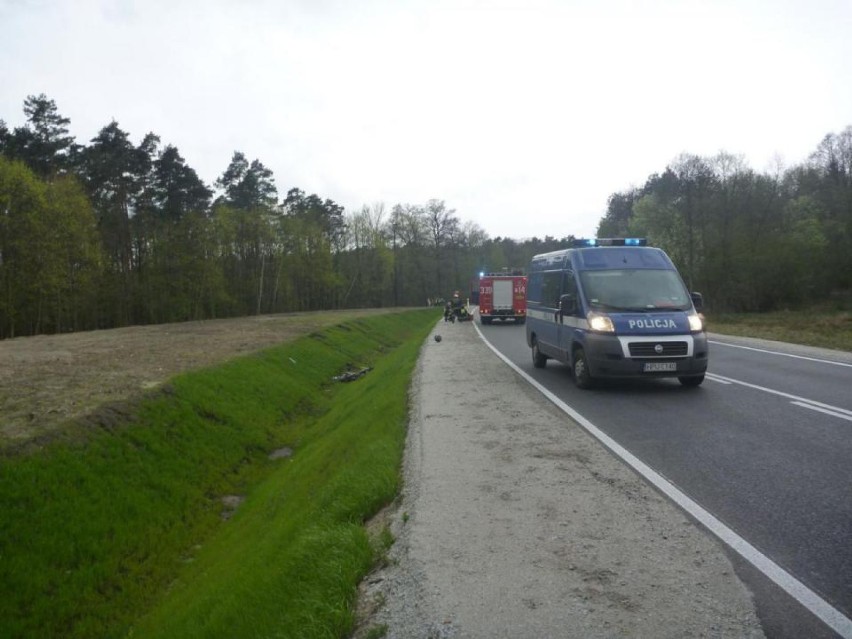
point(524, 116)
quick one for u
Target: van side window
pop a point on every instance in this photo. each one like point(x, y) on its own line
point(551, 288)
point(534, 287)
point(569, 285)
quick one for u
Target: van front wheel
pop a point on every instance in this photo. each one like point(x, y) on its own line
point(582, 377)
point(539, 358)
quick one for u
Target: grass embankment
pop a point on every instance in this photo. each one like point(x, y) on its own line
point(827, 329)
point(122, 532)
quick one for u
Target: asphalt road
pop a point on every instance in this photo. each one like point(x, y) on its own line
point(764, 445)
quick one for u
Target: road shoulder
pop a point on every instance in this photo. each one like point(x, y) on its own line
point(514, 522)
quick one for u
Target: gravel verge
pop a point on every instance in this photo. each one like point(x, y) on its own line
point(514, 522)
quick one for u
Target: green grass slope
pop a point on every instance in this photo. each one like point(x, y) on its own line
point(123, 531)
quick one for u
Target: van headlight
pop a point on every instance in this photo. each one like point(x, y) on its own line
point(695, 323)
point(600, 323)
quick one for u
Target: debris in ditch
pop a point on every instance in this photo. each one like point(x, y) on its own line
point(281, 453)
point(351, 376)
point(230, 503)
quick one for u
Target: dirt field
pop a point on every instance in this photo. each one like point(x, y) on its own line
point(49, 379)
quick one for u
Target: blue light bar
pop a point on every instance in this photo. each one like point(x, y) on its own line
point(610, 241)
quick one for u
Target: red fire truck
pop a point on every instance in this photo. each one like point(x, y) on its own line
point(502, 296)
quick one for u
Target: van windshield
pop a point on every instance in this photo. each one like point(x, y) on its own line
point(638, 290)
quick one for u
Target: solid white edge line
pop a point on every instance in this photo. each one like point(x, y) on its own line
point(829, 615)
point(823, 410)
point(764, 350)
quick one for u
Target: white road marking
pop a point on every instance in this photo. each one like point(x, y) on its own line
point(832, 617)
point(795, 399)
point(824, 410)
point(763, 350)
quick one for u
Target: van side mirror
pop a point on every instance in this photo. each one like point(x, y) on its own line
point(697, 301)
point(567, 304)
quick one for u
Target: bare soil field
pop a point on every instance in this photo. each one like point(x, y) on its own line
point(48, 380)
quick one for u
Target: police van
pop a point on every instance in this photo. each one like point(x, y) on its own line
point(614, 308)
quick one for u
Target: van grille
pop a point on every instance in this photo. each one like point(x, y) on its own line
point(649, 349)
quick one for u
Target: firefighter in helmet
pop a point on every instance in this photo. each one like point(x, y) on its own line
point(452, 307)
point(459, 309)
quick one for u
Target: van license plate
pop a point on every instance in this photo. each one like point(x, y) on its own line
point(660, 367)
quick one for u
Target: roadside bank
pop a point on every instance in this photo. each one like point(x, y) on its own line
point(514, 522)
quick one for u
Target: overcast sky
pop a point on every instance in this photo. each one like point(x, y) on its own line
point(523, 116)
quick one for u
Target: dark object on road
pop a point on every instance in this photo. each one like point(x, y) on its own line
point(437, 338)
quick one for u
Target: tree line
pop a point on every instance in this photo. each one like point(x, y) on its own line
point(113, 233)
point(750, 241)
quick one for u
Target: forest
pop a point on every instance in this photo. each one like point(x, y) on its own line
point(111, 234)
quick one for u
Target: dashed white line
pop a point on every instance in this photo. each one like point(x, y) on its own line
point(795, 399)
point(824, 410)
